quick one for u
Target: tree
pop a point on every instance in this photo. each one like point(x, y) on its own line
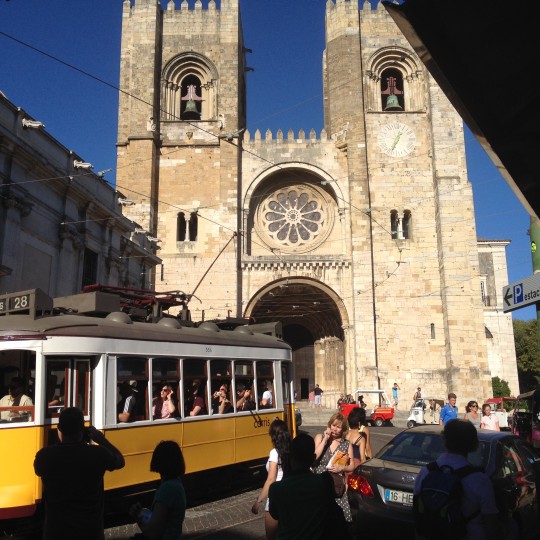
point(527, 353)
point(500, 387)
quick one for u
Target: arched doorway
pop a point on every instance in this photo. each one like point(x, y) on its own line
point(313, 318)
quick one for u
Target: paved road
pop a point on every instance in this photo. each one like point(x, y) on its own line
point(231, 518)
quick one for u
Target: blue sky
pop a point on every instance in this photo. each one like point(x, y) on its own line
point(286, 36)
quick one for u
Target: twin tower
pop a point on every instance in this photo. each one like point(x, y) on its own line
point(360, 239)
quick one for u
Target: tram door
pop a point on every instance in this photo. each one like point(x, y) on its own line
point(68, 384)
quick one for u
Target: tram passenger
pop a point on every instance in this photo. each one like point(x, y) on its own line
point(244, 401)
point(266, 399)
point(220, 403)
point(126, 406)
point(198, 407)
point(164, 405)
point(15, 398)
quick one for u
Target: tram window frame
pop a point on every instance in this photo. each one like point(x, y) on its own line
point(165, 376)
point(18, 363)
point(220, 373)
point(264, 376)
point(194, 369)
point(124, 374)
point(74, 387)
point(244, 374)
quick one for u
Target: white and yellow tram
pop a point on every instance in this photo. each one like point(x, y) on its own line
point(81, 360)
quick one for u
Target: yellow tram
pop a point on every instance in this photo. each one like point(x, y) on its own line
point(79, 350)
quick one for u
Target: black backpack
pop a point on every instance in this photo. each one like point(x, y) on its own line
point(437, 508)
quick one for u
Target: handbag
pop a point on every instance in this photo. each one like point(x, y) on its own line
point(339, 484)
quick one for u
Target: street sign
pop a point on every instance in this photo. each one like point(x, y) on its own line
point(521, 293)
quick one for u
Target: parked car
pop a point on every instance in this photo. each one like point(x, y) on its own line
point(379, 411)
point(381, 489)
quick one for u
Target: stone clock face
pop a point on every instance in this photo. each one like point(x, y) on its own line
point(396, 139)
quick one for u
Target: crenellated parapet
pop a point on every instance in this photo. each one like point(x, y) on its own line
point(301, 137)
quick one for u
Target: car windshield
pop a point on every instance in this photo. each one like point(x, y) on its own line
point(416, 448)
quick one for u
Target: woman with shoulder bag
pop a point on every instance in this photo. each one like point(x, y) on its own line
point(327, 445)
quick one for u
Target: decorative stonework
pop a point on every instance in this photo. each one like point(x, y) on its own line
point(294, 217)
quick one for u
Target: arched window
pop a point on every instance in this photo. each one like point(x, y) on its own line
point(193, 226)
point(394, 224)
point(189, 89)
point(406, 224)
point(392, 90)
point(180, 227)
point(395, 81)
point(400, 226)
point(190, 106)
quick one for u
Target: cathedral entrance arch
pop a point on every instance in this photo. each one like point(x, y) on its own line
point(313, 319)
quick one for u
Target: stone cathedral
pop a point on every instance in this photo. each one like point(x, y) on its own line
point(360, 240)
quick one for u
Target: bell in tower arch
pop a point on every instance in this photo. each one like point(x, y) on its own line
point(392, 103)
point(392, 91)
point(191, 111)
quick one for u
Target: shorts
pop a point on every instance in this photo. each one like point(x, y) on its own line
point(317, 400)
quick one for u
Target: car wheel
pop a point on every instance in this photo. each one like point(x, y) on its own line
point(411, 423)
point(378, 422)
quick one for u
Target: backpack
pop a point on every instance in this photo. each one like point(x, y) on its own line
point(437, 507)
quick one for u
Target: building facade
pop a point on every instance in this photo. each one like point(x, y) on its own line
point(360, 240)
point(61, 225)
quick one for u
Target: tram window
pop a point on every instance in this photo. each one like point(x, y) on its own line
point(265, 385)
point(195, 378)
point(243, 380)
point(220, 381)
point(132, 379)
point(20, 365)
point(57, 386)
point(165, 372)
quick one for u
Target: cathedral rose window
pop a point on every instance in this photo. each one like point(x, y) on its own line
point(294, 217)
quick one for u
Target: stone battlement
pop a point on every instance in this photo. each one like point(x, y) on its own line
point(279, 137)
point(191, 6)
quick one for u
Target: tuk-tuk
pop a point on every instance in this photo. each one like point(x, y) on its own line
point(502, 407)
point(425, 411)
point(379, 411)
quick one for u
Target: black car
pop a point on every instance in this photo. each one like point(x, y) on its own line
point(381, 489)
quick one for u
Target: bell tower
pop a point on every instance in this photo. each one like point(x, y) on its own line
point(182, 95)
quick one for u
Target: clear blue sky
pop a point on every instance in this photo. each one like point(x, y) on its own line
point(286, 36)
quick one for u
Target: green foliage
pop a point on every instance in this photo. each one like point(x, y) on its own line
point(527, 343)
point(500, 387)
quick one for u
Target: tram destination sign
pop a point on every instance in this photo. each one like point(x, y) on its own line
point(34, 302)
point(521, 293)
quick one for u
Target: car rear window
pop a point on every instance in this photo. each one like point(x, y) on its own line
point(415, 448)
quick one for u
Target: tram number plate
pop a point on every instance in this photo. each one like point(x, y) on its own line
point(14, 303)
point(400, 497)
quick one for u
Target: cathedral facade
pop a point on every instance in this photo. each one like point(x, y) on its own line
point(360, 239)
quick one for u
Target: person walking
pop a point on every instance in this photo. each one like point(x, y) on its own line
point(326, 445)
point(489, 420)
point(356, 436)
point(312, 398)
point(277, 464)
point(471, 414)
point(395, 389)
point(478, 499)
point(449, 411)
point(72, 474)
point(166, 517)
point(318, 395)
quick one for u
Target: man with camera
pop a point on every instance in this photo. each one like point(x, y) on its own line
point(72, 474)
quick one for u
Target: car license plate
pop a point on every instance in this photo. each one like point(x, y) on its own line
point(400, 497)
